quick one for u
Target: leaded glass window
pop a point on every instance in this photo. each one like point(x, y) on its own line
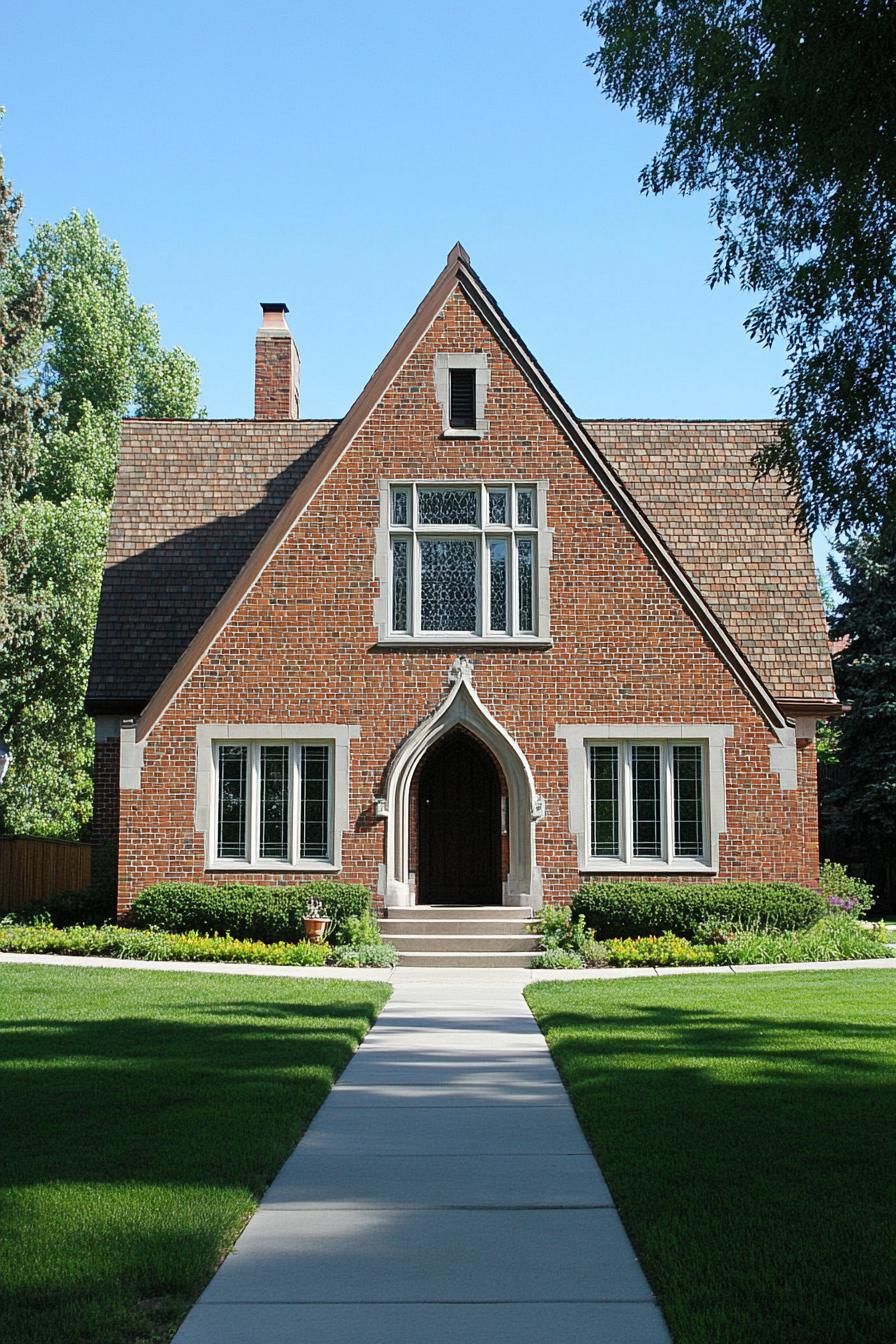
point(273, 803)
point(687, 778)
point(524, 549)
point(448, 586)
point(462, 560)
point(604, 802)
point(314, 827)
point(646, 816)
point(400, 584)
point(498, 585)
point(647, 801)
point(232, 801)
point(400, 508)
point(441, 507)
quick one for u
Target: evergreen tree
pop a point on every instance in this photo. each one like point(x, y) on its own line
point(859, 799)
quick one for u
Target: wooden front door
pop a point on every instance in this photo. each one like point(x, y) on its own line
point(459, 801)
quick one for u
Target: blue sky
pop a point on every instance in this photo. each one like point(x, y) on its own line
point(330, 156)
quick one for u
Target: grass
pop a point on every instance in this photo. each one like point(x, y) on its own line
point(143, 1115)
point(744, 1125)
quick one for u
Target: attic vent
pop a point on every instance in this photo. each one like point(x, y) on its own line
point(462, 398)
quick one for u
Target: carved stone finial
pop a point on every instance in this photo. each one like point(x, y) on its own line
point(461, 670)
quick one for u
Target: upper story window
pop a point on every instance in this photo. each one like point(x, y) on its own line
point(467, 560)
point(461, 383)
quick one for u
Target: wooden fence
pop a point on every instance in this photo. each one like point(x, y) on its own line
point(32, 868)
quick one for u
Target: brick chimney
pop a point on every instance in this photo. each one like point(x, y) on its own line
point(276, 366)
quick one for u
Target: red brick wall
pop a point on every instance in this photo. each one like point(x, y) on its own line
point(301, 648)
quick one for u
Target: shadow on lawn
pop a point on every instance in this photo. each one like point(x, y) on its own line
point(750, 1159)
point(134, 1146)
point(166, 1099)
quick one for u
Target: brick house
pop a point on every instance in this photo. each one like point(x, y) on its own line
point(459, 645)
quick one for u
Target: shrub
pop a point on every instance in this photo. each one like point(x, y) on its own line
point(666, 949)
point(631, 909)
point(843, 893)
point(364, 954)
point(94, 905)
point(837, 937)
point(560, 932)
point(361, 931)
point(557, 959)
point(265, 914)
point(157, 945)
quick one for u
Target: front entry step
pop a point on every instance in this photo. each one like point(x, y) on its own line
point(458, 935)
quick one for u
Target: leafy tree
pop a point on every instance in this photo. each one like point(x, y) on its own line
point(101, 356)
point(859, 800)
point(94, 355)
point(21, 413)
point(785, 112)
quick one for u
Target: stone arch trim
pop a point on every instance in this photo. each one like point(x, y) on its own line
point(462, 707)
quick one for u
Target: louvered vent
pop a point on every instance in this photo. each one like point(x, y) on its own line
point(462, 413)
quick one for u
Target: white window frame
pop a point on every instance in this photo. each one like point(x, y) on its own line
point(710, 738)
point(212, 736)
point(483, 532)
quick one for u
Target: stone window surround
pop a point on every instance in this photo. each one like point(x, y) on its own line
point(539, 638)
point(578, 737)
point(442, 365)
point(337, 735)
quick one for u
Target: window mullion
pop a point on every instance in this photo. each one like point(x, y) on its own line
point(294, 803)
point(254, 804)
point(667, 801)
point(628, 821)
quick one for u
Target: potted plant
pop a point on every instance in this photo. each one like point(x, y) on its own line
point(315, 921)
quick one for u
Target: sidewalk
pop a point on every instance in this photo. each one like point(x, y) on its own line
point(444, 1192)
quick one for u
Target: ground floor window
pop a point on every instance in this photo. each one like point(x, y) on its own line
point(647, 800)
point(273, 802)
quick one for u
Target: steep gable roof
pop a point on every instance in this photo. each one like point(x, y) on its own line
point(192, 500)
point(324, 455)
point(734, 535)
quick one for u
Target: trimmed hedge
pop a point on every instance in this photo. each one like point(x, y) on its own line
point(632, 909)
point(268, 914)
point(154, 945)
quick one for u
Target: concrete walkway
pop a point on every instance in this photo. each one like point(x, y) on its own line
point(443, 1192)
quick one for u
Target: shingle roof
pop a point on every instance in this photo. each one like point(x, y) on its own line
point(733, 535)
point(194, 497)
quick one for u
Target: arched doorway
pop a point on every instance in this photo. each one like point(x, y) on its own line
point(459, 824)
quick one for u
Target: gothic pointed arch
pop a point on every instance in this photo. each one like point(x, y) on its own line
point(462, 707)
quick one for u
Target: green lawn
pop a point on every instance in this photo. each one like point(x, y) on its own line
point(143, 1113)
point(745, 1124)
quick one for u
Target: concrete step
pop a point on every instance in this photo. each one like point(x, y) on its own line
point(465, 912)
point(391, 928)
point(412, 942)
point(484, 960)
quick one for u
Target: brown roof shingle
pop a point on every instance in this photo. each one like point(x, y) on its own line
point(192, 499)
point(733, 535)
